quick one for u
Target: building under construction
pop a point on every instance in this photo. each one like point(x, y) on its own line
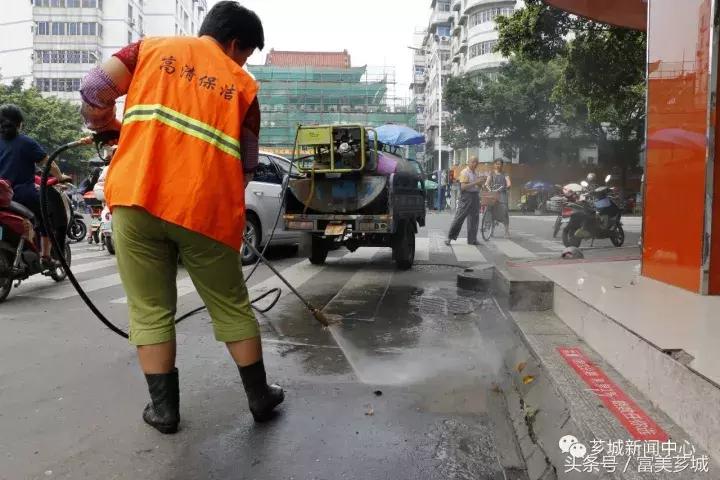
point(322, 88)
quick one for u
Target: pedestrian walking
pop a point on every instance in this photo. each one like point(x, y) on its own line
point(498, 181)
point(469, 205)
point(176, 186)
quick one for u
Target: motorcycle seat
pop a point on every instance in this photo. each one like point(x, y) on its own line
point(21, 210)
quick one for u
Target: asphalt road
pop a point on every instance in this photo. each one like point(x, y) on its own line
point(404, 388)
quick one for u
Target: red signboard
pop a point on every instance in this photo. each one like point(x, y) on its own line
point(633, 418)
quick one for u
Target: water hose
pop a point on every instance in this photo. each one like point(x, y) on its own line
point(98, 139)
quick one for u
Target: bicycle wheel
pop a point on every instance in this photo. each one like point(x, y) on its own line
point(487, 226)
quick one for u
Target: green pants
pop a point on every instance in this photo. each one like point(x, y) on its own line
point(147, 252)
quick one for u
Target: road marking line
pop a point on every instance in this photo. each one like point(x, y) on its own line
point(468, 253)
point(83, 256)
point(67, 291)
point(86, 267)
point(437, 242)
point(362, 253)
point(422, 248)
point(512, 249)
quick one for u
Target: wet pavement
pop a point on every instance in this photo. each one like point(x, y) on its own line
point(407, 387)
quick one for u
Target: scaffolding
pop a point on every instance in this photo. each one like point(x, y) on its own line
point(291, 96)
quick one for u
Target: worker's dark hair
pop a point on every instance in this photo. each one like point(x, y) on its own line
point(228, 21)
point(499, 160)
point(11, 117)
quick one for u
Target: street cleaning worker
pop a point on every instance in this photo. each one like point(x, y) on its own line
point(176, 186)
point(469, 206)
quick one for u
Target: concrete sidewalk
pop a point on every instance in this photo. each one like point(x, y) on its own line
point(649, 343)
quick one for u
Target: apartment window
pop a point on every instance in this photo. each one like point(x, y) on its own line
point(57, 84)
point(89, 28)
point(482, 48)
point(57, 3)
point(489, 15)
point(57, 28)
point(74, 3)
point(444, 6)
point(130, 12)
point(43, 28)
point(73, 28)
point(443, 30)
point(130, 37)
point(91, 3)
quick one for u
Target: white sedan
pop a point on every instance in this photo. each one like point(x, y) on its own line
point(262, 203)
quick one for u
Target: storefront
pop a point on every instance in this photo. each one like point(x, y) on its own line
point(681, 224)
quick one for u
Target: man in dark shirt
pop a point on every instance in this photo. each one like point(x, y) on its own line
point(19, 157)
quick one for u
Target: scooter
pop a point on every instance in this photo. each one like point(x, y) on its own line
point(20, 241)
point(570, 194)
point(106, 230)
point(95, 206)
point(594, 216)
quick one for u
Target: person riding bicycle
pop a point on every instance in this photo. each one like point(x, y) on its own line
point(19, 157)
point(497, 181)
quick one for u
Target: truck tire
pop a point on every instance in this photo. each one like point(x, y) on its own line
point(404, 246)
point(318, 250)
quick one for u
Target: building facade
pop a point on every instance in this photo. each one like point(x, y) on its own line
point(459, 40)
point(322, 88)
point(52, 44)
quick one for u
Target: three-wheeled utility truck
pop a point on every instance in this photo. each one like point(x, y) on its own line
point(352, 193)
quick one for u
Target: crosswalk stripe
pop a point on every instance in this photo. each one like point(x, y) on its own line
point(362, 253)
point(66, 291)
point(296, 275)
point(437, 243)
point(468, 253)
point(84, 268)
point(422, 248)
point(83, 256)
point(511, 249)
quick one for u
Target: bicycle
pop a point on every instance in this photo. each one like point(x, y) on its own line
point(488, 223)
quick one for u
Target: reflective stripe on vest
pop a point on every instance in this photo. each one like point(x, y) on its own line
point(185, 124)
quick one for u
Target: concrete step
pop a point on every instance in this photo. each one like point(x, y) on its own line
point(551, 400)
point(691, 400)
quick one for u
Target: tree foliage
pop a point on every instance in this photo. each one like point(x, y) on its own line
point(50, 121)
point(566, 74)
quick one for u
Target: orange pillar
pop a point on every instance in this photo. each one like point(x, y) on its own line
point(680, 174)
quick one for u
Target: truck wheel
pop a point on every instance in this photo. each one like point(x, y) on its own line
point(318, 250)
point(404, 246)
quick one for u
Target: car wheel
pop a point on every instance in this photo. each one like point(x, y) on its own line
point(252, 235)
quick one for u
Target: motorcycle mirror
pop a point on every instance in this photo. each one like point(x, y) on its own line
point(584, 183)
point(607, 179)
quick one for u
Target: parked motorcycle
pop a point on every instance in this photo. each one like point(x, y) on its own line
point(20, 240)
point(570, 194)
point(77, 229)
point(95, 206)
point(106, 230)
point(595, 216)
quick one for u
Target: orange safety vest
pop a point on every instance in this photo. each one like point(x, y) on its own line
point(178, 156)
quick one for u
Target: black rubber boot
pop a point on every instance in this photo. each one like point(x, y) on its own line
point(262, 398)
point(163, 412)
